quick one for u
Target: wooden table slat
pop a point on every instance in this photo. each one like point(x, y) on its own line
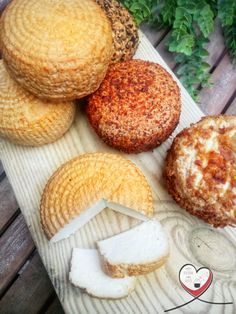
point(215, 48)
point(8, 204)
point(16, 245)
point(55, 307)
point(214, 99)
point(1, 170)
point(216, 45)
point(29, 292)
point(232, 107)
point(3, 4)
point(162, 49)
point(153, 35)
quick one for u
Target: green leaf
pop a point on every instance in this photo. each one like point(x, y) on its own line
point(182, 44)
point(183, 19)
point(140, 9)
point(205, 66)
point(189, 5)
point(214, 6)
point(168, 11)
point(193, 71)
point(201, 41)
point(192, 21)
point(204, 17)
point(182, 69)
point(202, 53)
point(226, 11)
point(134, 7)
point(180, 58)
point(230, 39)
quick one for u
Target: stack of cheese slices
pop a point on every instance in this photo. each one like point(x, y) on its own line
point(110, 272)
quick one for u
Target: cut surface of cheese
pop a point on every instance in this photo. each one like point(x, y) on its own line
point(137, 251)
point(126, 211)
point(79, 221)
point(91, 212)
point(86, 273)
point(77, 187)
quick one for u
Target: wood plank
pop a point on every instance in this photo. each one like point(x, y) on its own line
point(216, 45)
point(16, 245)
point(232, 107)
point(30, 291)
point(156, 291)
point(8, 204)
point(3, 4)
point(162, 49)
point(55, 307)
point(152, 34)
point(214, 99)
point(1, 169)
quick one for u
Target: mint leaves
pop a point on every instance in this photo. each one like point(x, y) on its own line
point(191, 22)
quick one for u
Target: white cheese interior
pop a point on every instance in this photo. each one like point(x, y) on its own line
point(86, 273)
point(79, 221)
point(126, 211)
point(91, 212)
point(142, 244)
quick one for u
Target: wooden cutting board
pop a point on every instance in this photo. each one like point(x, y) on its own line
point(191, 240)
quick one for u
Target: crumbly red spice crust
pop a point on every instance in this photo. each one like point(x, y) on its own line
point(213, 198)
point(124, 31)
point(136, 107)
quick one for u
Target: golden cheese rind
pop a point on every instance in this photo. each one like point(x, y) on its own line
point(123, 270)
point(82, 181)
point(57, 49)
point(27, 120)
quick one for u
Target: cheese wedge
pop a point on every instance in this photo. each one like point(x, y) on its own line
point(86, 273)
point(137, 251)
point(83, 186)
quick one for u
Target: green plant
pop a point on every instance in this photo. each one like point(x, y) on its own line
point(227, 15)
point(191, 23)
point(230, 39)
